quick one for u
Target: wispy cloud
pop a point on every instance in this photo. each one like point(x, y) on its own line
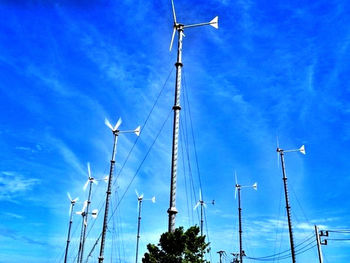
point(13, 185)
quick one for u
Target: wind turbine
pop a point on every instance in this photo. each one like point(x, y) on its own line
point(179, 28)
point(281, 152)
point(115, 130)
point(72, 203)
point(84, 213)
point(238, 188)
point(202, 204)
point(89, 182)
point(139, 204)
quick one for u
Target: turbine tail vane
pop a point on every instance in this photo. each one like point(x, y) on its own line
point(215, 22)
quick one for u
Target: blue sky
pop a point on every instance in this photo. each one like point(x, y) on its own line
point(272, 69)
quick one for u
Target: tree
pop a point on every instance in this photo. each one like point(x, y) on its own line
point(178, 247)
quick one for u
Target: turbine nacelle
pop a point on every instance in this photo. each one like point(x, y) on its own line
point(116, 126)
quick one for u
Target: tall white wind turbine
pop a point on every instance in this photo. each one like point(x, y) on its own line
point(179, 28)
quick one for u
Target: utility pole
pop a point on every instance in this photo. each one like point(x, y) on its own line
point(179, 28)
point(281, 152)
point(320, 256)
point(116, 133)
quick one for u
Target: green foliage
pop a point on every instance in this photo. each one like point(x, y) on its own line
point(178, 247)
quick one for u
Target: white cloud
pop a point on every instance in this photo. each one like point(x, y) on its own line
point(13, 185)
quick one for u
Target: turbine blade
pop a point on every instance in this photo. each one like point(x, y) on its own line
point(108, 124)
point(76, 199)
point(86, 184)
point(235, 192)
point(172, 39)
point(137, 131)
point(174, 15)
point(200, 195)
point(205, 205)
point(141, 196)
point(236, 177)
point(137, 193)
point(78, 213)
point(194, 208)
point(89, 170)
point(85, 204)
point(302, 149)
point(215, 22)
point(94, 181)
point(278, 146)
point(117, 124)
point(69, 197)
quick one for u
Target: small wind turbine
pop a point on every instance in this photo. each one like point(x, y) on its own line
point(89, 182)
point(202, 204)
point(115, 130)
point(281, 152)
point(72, 203)
point(238, 188)
point(84, 213)
point(179, 28)
point(139, 204)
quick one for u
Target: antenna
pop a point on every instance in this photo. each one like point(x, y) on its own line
point(72, 203)
point(179, 28)
point(290, 228)
point(115, 130)
point(238, 188)
point(139, 205)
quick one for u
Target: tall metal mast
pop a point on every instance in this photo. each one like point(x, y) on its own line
point(238, 189)
point(281, 152)
point(172, 211)
point(72, 203)
point(116, 133)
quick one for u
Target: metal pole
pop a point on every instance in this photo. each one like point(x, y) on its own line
point(240, 225)
point(138, 230)
point(81, 236)
point(287, 205)
point(108, 193)
point(172, 211)
point(69, 229)
point(320, 256)
point(85, 224)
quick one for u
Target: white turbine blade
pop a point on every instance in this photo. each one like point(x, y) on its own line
point(86, 184)
point(235, 192)
point(70, 198)
point(94, 181)
point(302, 149)
point(194, 208)
point(84, 206)
point(137, 193)
point(94, 213)
point(255, 186)
point(138, 205)
point(141, 196)
point(117, 124)
point(174, 15)
point(89, 170)
point(236, 177)
point(153, 199)
point(79, 213)
point(75, 200)
point(205, 205)
point(172, 39)
point(215, 22)
point(137, 131)
point(108, 124)
point(200, 195)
